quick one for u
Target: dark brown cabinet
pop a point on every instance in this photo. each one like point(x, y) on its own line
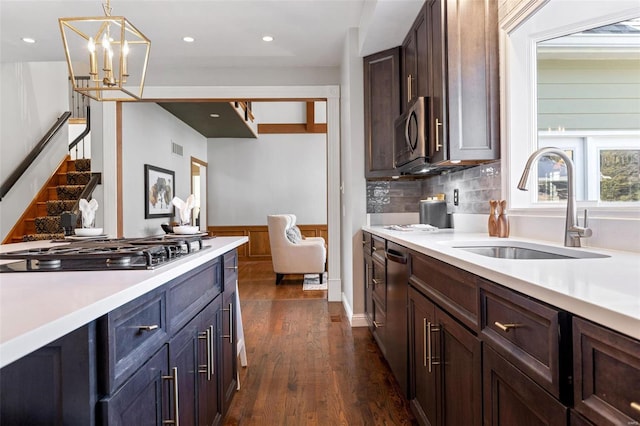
point(445, 368)
point(606, 372)
point(463, 87)
point(415, 76)
point(368, 279)
point(512, 398)
point(381, 108)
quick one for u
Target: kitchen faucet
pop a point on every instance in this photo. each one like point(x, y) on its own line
point(572, 232)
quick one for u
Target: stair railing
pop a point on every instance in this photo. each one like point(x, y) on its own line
point(29, 159)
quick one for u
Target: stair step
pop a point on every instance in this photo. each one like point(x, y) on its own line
point(48, 225)
point(83, 165)
point(77, 178)
point(69, 192)
point(57, 207)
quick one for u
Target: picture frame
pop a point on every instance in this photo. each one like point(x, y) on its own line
point(159, 190)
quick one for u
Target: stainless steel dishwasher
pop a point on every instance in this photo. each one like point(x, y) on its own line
point(397, 302)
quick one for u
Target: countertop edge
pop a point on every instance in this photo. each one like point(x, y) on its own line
point(31, 340)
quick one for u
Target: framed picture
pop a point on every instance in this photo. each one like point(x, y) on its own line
point(159, 187)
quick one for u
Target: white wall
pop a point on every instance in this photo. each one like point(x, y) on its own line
point(147, 133)
point(354, 209)
point(32, 97)
point(276, 173)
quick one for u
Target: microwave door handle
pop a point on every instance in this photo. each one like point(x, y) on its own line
point(407, 139)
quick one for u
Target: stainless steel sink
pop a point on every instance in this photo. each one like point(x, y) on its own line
point(524, 251)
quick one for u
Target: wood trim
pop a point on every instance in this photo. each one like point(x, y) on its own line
point(285, 128)
point(258, 247)
point(77, 121)
point(119, 177)
point(311, 116)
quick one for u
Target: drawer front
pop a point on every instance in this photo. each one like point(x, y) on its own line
point(452, 288)
point(188, 294)
point(230, 272)
point(378, 246)
point(607, 375)
point(525, 332)
point(366, 243)
point(379, 283)
point(132, 332)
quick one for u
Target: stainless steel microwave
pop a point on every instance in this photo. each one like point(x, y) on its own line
point(410, 138)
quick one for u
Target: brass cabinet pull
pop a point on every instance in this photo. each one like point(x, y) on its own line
point(147, 327)
point(230, 335)
point(430, 329)
point(374, 248)
point(235, 268)
point(202, 368)
point(635, 406)
point(409, 87)
point(378, 324)
point(438, 144)
point(176, 410)
point(505, 327)
point(376, 281)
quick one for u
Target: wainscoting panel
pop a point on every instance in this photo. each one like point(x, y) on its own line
point(258, 247)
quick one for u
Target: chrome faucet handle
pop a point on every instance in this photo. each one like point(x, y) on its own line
point(582, 231)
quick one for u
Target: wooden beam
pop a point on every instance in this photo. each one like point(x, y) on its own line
point(311, 117)
point(291, 128)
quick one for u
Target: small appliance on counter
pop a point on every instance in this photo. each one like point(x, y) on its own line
point(433, 211)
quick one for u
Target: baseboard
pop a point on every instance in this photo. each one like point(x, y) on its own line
point(358, 320)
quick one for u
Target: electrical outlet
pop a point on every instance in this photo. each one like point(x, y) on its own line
point(456, 197)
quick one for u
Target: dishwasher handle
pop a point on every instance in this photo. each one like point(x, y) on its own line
point(395, 256)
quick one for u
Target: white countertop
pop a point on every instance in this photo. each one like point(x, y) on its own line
point(603, 290)
point(37, 308)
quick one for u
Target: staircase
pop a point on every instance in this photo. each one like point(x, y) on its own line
point(41, 220)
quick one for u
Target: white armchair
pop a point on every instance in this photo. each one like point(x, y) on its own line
point(293, 254)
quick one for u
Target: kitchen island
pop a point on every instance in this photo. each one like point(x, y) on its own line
point(135, 331)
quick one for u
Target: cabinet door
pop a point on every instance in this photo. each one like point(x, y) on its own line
point(227, 341)
point(145, 399)
point(461, 364)
point(464, 91)
point(423, 373)
point(436, 62)
point(415, 80)
point(381, 108)
point(512, 398)
point(184, 356)
point(368, 290)
point(606, 370)
point(209, 404)
point(53, 385)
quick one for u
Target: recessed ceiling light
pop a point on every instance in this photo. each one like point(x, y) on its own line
point(214, 115)
point(267, 38)
point(28, 40)
point(188, 39)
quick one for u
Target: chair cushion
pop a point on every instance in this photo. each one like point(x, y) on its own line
point(294, 235)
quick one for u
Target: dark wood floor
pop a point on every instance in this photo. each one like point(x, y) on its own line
point(306, 365)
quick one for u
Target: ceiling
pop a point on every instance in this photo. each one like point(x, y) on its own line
point(308, 34)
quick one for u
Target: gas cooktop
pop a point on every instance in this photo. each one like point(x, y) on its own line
point(104, 254)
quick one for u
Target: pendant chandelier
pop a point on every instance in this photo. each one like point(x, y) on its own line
point(108, 49)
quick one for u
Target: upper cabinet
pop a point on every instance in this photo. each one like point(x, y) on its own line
point(449, 56)
point(415, 53)
point(464, 125)
point(381, 108)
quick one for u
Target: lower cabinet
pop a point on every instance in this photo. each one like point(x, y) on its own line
point(512, 398)
point(606, 375)
point(144, 399)
point(445, 366)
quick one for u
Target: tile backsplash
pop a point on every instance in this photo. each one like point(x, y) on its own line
point(476, 186)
